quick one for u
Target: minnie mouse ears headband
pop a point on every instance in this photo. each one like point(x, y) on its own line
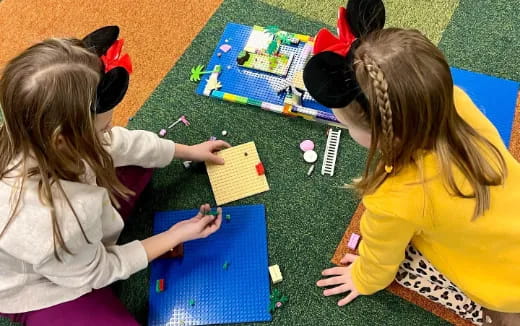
point(329, 76)
point(116, 68)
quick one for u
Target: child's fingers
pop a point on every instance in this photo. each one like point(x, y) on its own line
point(218, 220)
point(219, 144)
point(330, 281)
point(205, 220)
point(333, 271)
point(337, 290)
point(212, 227)
point(348, 299)
point(203, 210)
point(215, 159)
point(348, 258)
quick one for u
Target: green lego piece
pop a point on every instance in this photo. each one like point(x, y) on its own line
point(192, 302)
point(226, 265)
point(241, 99)
point(228, 217)
point(254, 102)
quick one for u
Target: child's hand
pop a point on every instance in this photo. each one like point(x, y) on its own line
point(200, 226)
point(202, 152)
point(342, 278)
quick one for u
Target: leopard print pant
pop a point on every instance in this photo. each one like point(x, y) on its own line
point(417, 274)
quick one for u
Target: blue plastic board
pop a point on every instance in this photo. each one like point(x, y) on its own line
point(238, 294)
point(245, 82)
point(495, 97)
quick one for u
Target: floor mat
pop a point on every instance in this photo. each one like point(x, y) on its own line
point(156, 34)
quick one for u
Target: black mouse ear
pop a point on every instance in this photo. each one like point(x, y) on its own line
point(330, 79)
point(111, 89)
point(101, 39)
point(365, 16)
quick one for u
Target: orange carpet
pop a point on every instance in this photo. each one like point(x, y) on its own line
point(396, 288)
point(156, 33)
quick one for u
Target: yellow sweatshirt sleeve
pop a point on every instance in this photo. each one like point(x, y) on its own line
point(385, 238)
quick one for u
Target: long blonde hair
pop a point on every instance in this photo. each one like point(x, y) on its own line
point(46, 94)
point(409, 87)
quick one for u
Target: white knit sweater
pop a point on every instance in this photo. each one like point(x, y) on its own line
point(31, 278)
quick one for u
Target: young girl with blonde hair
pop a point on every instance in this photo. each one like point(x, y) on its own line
point(58, 184)
point(439, 186)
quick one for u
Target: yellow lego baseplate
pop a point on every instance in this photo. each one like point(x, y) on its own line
point(238, 178)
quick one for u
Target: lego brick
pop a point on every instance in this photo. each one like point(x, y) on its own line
point(229, 97)
point(159, 285)
point(218, 94)
point(241, 99)
point(251, 101)
point(276, 275)
point(174, 252)
point(353, 241)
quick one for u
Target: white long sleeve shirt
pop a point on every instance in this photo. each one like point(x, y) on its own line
point(31, 278)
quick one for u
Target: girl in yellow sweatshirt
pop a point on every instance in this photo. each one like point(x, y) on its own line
point(440, 188)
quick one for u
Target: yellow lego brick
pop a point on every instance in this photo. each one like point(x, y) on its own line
point(276, 275)
point(229, 97)
point(303, 38)
point(238, 178)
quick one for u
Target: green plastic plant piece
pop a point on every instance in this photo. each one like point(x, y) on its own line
point(272, 48)
point(197, 72)
point(226, 265)
point(228, 217)
point(277, 300)
point(192, 302)
point(272, 29)
point(284, 38)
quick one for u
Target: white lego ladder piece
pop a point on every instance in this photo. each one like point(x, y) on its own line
point(331, 152)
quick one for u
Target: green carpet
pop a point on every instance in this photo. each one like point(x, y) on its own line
point(306, 215)
point(428, 16)
point(484, 36)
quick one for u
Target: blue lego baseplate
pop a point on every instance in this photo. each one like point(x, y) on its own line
point(236, 294)
point(260, 86)
point(495, 97)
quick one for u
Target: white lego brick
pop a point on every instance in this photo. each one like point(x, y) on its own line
point(276, 275)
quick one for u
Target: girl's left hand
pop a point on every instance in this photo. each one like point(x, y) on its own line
point(341, 278)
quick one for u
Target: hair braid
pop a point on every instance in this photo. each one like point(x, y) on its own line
point(380, 86)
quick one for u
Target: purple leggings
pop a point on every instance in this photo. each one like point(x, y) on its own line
point(99, 307)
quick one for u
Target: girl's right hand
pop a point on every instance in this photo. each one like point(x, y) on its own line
point(197, 227)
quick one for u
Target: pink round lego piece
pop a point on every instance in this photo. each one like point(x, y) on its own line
point(162, 133)
point(307, 145)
